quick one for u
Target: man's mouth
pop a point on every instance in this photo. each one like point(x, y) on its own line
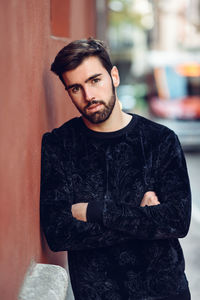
point(94, 107)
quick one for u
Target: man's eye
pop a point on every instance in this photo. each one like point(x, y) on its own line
point(95, 80)
point(75, 89)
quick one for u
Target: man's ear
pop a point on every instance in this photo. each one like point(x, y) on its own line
point(115, 76)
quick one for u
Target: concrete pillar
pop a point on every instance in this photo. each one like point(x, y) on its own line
point(44, 282)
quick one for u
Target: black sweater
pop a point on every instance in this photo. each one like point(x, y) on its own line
point(124, 251)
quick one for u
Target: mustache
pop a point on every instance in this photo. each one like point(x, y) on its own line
point(94, 102)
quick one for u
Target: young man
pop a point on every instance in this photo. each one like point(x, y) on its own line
point(114, 189)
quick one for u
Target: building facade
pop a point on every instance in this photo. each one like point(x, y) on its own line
point(33, 101)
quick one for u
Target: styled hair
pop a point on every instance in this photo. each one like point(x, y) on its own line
point(72, 55)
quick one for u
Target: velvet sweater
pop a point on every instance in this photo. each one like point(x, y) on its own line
point(123, 251)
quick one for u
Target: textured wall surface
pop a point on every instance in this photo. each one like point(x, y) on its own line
point(32, 102)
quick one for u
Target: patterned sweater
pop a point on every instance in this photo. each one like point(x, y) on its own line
point(123, 251)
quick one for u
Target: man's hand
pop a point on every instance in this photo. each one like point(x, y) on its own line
point(149, 199)
point(79, 211)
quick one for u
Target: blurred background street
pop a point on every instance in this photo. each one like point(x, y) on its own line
point(156, 46)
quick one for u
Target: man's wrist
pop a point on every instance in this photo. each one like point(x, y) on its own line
point(95, 212)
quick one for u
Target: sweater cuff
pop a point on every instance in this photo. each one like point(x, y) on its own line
point(94, 212)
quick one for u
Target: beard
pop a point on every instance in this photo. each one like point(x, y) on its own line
point(101, 115)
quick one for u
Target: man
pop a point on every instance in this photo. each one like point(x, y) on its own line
point(114, 189)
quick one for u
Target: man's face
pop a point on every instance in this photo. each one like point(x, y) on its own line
point(92, 90)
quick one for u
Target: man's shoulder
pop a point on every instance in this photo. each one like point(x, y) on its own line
point(63, 132)
point(152, 129)
point(67, 127)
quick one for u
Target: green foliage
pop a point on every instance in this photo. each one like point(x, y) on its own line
point(126, 15)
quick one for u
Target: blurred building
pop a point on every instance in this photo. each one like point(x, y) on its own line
point(137, 27)
point(177, 25)
point(156, 46)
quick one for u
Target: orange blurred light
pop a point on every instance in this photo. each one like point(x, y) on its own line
point(189, 70)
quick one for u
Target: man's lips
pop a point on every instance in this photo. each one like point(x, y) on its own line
point(94, 107)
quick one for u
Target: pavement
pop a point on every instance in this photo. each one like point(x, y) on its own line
point(191, 243)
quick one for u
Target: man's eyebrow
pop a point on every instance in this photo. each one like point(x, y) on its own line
point(92, 77)
point(88, 79)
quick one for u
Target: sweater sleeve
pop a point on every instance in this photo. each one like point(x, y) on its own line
point(62, 231)
point(169, 219)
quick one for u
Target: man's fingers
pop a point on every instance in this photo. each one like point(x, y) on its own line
point(149, 199)
point(79, 211)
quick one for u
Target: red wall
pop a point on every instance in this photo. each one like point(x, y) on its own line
point(32, 102)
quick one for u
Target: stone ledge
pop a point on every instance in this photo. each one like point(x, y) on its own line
point(44, 282)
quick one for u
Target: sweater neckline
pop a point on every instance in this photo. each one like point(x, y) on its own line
point(111, 134)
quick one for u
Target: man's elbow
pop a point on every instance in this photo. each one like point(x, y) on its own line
point(55, 242)
point(184, 228)
point(184, 231)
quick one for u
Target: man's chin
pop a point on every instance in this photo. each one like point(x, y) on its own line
point(102, 114)
point(97, 118)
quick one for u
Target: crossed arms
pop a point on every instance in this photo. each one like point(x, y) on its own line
point(79, 210)
point(64, 227)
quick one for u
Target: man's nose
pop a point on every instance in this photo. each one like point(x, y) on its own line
point(88, 94)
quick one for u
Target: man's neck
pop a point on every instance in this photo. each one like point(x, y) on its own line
point(117, 120)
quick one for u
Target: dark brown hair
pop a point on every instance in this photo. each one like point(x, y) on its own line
point(72, 55)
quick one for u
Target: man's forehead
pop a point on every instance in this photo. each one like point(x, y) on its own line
point(88, 68)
